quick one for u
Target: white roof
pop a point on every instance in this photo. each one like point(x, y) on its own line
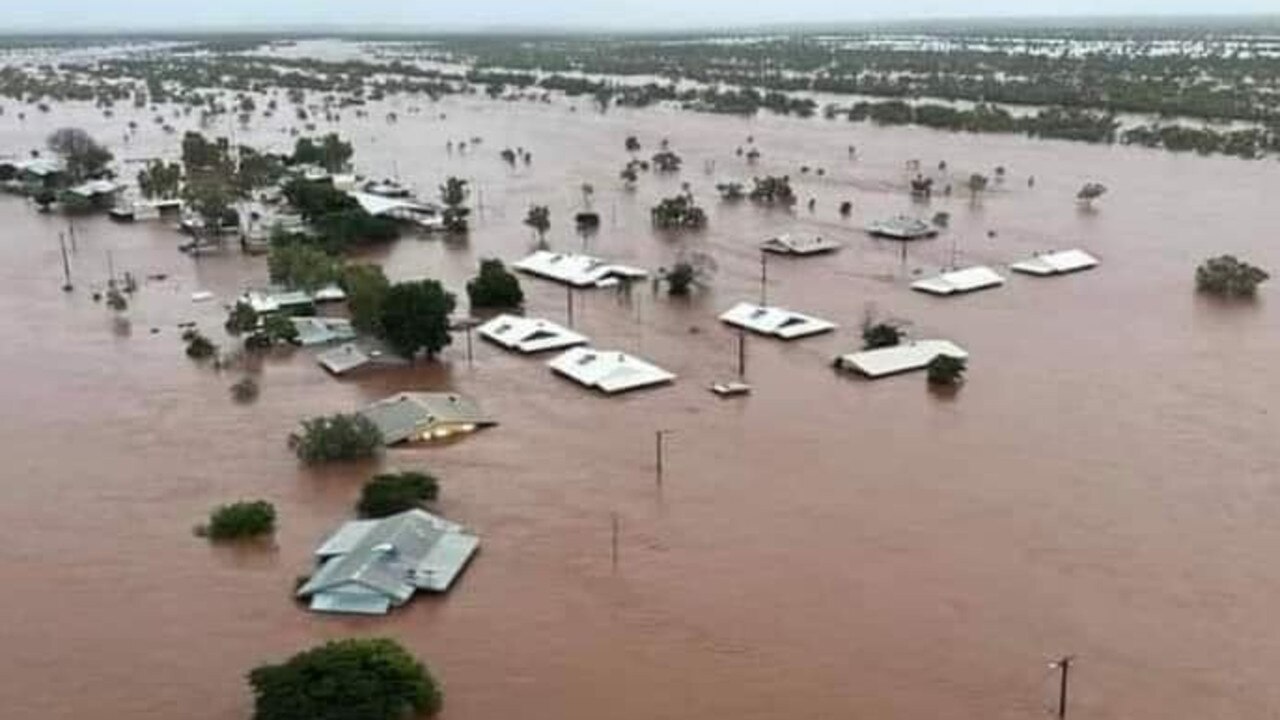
point(382, 205)
point(969, 279)
point(344, 359)
point(268, 302)
point(577, 270)
point(529, 335)
point(95, 187)
point(609, 370)
point(1056, 263)
point(779, 322)
point(39, 166)
point(791, 245)
point(900, 358)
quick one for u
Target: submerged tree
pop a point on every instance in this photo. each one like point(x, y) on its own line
point(977, 184)
point(336, 438)
point(772, 190)
point(667, 161)
point(495, 287)
point(392, 493)
point(83, 156)
point(160, 180)
point(633, 144)
point(1228, 276)
point(354, 679)
point(678, 213)
point(366, 287)
point(539, 218)
point(946, 370)
point(880, 335)
point(1089, 192)
point(689, 271)
point(454, 193)
point(415, 318)
point(240, 520)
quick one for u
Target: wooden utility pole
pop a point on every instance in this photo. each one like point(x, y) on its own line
point(660, 437)
point(569, 303)
point(742, 354)
point(614, 555)
point(1063, 665)
point(764, 278)
point(66, 264)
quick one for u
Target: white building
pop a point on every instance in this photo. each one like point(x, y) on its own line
point(577, 270)
point(793, 245)
point(529, 335)
point(978, 277)
point(1056, 263)
point(899, 358)
point(775, 321)
point(368, 567)
point(609, 371)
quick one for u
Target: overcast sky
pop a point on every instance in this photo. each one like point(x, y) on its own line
point(620, 14)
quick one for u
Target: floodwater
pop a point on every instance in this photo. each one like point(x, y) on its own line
point(1105, 484)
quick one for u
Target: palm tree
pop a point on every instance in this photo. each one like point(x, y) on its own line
point(539, 218)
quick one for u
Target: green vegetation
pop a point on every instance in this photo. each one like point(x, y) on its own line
point(83, 156)
point(392, 493)
point(678, 213)
point(160, 180)
point(772, 191)
point(336, 438)
point(539, 218)
point(880, 335)
point(946, 371)
point(301, 267)
point(415, 318)
point(240, 520)
point(242, 318)
point(1227, 276)
point(689, 271)
point(355, 679)
point(366, 286)
point(199, 347)
point(338, 221)
point(331, 153)
point(495, 287)
point(453, 194)
point(1091, 191)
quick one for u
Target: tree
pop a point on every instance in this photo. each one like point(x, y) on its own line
point(772, 190)
point(278, 328)
point(678, 212)
point(1227, 276)
point(245, 389)
point(392, 493)
point(301, 267)
point(160, 180)
point(941, 219)
point(495, 287)
point(731, 191)
point(211, 196)
point(880, 335)
point(633, 144)
point(336, 438)
point(454, 196)
point(415, 317)
point(946, 370)
point(977, 184)
point(242, 318)
point(199, 347)
point(241, 520)
point(689, 271)
point(331, 153)
point(83, 156)
point(353, 679)
point(1089, 192)
point(667, 162)
point(539, 218)
point(366, 287)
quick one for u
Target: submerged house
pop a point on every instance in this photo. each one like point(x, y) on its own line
point(368, 567)
point(322, 331)
point(34, 173)
point(400, 207)
point(363, 354)
point(906, 357)
point(902, 227)
point(413, 416)
point(794, 245)
point(529, 335)
point(1056, 263)
point(609, 371)
point(775, 321)
point(978, 277)
point(577, 270)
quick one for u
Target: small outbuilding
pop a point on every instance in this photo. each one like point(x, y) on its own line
point(609, 371)
point(971, 279)
point(775, 321)
point(906, 357)
point(902, 227)
point(578, 270)
point(360, 355)
point(368, 567)
point(1056, 263)
point(795, 245)
point(416, 416)
point(529, 335)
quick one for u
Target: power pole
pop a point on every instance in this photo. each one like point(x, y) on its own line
point(66, 265)
point(614, 555)
point(569, 303)
point(1064, 665)
point(742, 354)
point(660, 437)
point(764, 278)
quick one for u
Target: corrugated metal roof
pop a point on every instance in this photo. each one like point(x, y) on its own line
point(408, 414)
point(577, 270)
point(1056, 263)
point(793, 245)
point(978, 277)
point(775, 321)
point(608, 370)
point(900, 358)
point(529, 335)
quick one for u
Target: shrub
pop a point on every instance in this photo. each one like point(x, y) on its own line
point(391, 493)
point(199, 347)
point(355, 679)
point(242, 318)
point(880, 335)
point(1227, 276)
point(241, 520)
point(245, 390)
point(336, 438)
point(495, 287)
point(946, 370)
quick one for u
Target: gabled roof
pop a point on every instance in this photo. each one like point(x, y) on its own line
point(529, 335)
point(383, 205)
point(94, 188)
point(370, 565)
point(322, 331)
point(902, 227)
point(577, 270)
point(1056, 263)
point(775, 321)
point(792, 245)
point(408, 415)
point(608, 370)
point(978, 277)
point(39, 167)
point(353, 356)
point(264, 302)
point(899, 358)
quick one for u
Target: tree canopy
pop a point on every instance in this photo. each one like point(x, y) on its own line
point(495, 287)
point(301, 267)
point(391, 493)
point(366, 287)
point(415, 318)
point(240, 520)
point(1228, 276)
point(354, 679)
point(84, 156)
point(336, 438)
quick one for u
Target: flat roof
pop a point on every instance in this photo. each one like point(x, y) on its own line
point(978, 277)
point(577, 270)
point(775, 321)
point(1056, 263)
point(610, 371)
point(900, 358)
point(529, 335)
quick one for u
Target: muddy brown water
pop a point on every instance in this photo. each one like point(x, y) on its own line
point(1104, 484)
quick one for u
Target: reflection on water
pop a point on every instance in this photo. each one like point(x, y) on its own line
point(1103, 484)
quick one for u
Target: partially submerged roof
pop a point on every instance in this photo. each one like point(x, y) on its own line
point(422, 415)
point(902, 227)
point(529, 335)
point(390, 206)
point(794, 245)
point(1056, 263)
point(609, 370)
point(577, 270)
point(354, 356)
point(775, 321)
point(899, 358)
point(322, 331)
point(978, 277)
point(40, 167)
point(265, 302)
point(369, 566)
point(95, 188)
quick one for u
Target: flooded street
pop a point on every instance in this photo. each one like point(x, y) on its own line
point(1105, 484)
